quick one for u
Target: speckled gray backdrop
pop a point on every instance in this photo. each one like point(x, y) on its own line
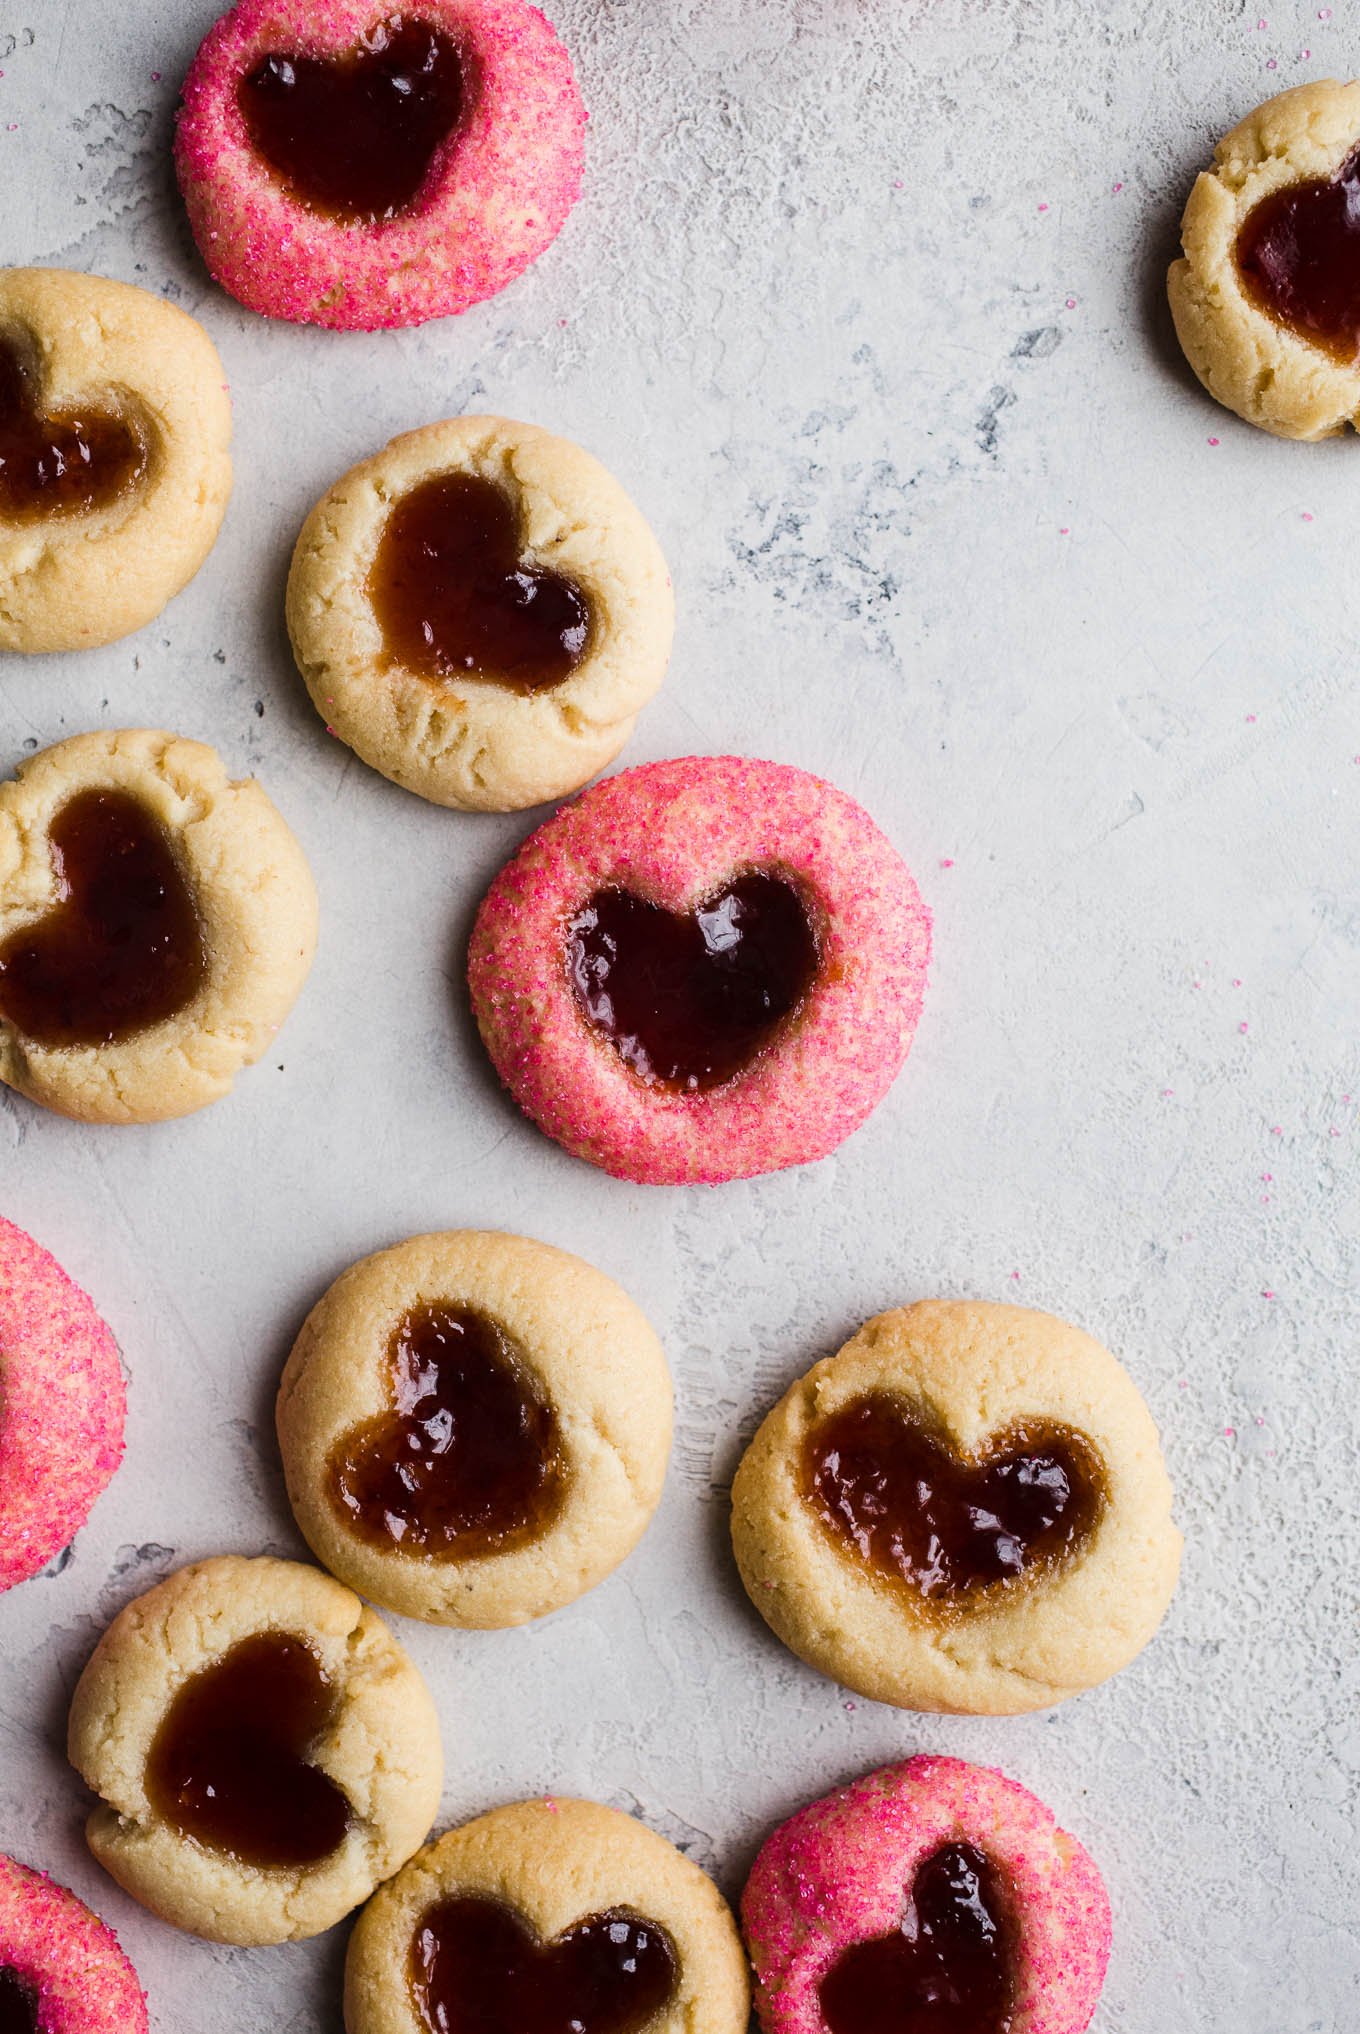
point(863, 304)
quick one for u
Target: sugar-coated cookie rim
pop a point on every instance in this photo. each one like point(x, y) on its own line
point(86, 1982)
point(819, 1078)
point(616, 1445)
point(836, 1873)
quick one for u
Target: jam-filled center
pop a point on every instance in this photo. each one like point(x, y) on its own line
point(949, 1968)
point(454, 596)
point(356, 135)
point(123, 946)
point(1298, 253)
point(18, 2003)
point(688, 1000)
point(919, 1513)
point(60, 462)
point(476, 1968)
point(229, 1763)
point(469, 1460)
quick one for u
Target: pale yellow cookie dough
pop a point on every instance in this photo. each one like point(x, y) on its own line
point(73, 582)
point(255, 898)
point(382, 1749)
point(975, 1370)
point(1267, 373)
point(555, 1862)
point(598, 1362)
point(470, 742)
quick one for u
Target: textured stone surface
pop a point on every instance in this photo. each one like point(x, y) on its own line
point(971, 550)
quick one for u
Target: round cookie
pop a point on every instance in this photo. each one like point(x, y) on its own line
point(549, 1899)
point(347, 166)
point(929, 1881)
point(701, 970)
point(156, 924)
point(474, 1427)
point(1266, 300)
point(115, 468)
point(62, 1406)
point(1041, 1561)
point(265, 1752)
point(61, 1970)
point(480, 612)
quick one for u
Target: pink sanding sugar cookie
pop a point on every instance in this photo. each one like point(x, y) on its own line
point(377, 251)
point(62, 1406)
point(678, 834)
point(846, 1872)
point(61, 1970)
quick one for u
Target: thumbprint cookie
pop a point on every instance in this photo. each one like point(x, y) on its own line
point(61, 1969)
point(548, 1917)
point(932, 1895)
point(357, 164)
point(965, 1510)
point(701, 970)
point(265, 1752)
point(1266, 298)
point(156, 924)
point(475, 1427)
point(480, 613)
point(115, 468)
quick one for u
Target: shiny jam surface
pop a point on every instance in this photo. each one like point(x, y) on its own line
point(947, 1970)
point(688, 1001)
point(469, 1460)
point(123, 946)
point(1298, 253)
point(919, 1513)
point(228, 1765)
point(18, 2003)
point(454, 598)
point(355, 135)
point(62, 463)
point(476, 1968)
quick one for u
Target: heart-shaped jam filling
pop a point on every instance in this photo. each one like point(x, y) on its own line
point(454, 597)
point(228, 1765)
point(355, 135)
point(469, 1460)
point(949, 1968)
point(945, 1524)
point(476, 1968)
point(1298, 253)
point(63, 462)
point(18, 2003)
point(688, 1000)
point(122, 948)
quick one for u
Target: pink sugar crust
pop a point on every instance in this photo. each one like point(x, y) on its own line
point(674, 832)
point(84, 1982)
point(497, 195)
point(838, 1872)
point(62, 1406)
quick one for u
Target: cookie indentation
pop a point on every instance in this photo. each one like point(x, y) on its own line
point(469, 1461)
point(355, 135)
point(688, 1000)
point(944, 1524)
point(475, 1964)
point(60, 462)
point(947, 1970)
point(18, 2003)
point(229, 1763)
point(454, 596)
point(1298, 253)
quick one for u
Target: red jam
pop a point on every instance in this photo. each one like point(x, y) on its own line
point(63, 462)
point(455, 599)
point(919, 1513)
point(947, 1970)
point(1298, 253)
point(689, 1001)
point(122, 948)
point(469, 1460)
point(228, 1766)
point(18, 2003)
point(355, 136)
point(477, 1969)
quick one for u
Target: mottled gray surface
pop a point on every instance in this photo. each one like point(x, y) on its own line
point(863, 304)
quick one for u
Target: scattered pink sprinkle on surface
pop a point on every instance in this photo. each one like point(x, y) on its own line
point(1306, 516)
point(898, 184)
point(1015, 1275)
point(1184, 1384)
point(1304, 55)
point(1267, 1292)
point(1260, 1419)
point(1213, 441)
point(947, 861)
point(1243, 1027)
point(1043, 208)
point(1277, 1129)
point(1117, 188)
point(1324, 13)
point(1065, 532)
point(1167, 1093)
point(550, 1804)
point(1333, 1131)
point(1271, 64)
point(1237, 979)
point(1071, 303)
point(155, 77)
point(1251, 722)
point(1267, 1177)
point(1231, 1433)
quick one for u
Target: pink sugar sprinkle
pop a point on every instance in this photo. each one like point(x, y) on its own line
point(1043, 208)
point(947, 862)
point(1260, 1419)
point(1237, 981)
point(1263, 24)
point(1167, 1092)
point(1213, 441)
point(850, 1708)
point(1071, 303)
point(1272, 65)
point(1304, 55)
point(155, 77)
point(1067, 533)
point(550, 1804)
point(898, 185)
point(1231, 1433)
point(1242, 1027)
point(1184, 1384)
point(1117, 189)
point(1251, 722)
point(1324, 13)
point(1333, 1131)
point(1015, 1275)
point(1306, 517)
point(1268, 1177)
point(1267, 1292)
